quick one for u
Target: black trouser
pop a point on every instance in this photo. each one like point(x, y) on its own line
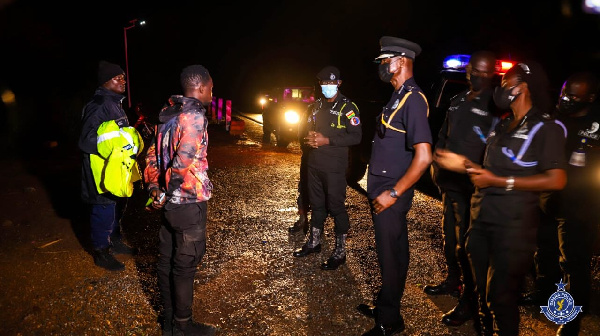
point(455, 223)
point(391, 239)
point(501, 256)
point(577, 234)
point(547, 255)
point(302, 200)
point(327, 192)
point(182, 245)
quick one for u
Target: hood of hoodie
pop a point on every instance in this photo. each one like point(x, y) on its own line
point(178, 104)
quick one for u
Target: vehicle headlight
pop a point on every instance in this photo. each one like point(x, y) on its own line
point(292, 117)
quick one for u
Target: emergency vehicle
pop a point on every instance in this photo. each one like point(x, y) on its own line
point(283, 109)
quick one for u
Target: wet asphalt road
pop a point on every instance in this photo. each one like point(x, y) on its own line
point(249, 283)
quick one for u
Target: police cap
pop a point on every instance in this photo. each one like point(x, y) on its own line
point(394, 46)
point(329, 73)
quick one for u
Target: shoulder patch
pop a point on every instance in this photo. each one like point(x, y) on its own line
point(355, 121)
point(350, 114)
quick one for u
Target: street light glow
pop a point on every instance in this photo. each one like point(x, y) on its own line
point(132, 24)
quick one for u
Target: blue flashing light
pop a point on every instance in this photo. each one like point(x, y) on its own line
point(457, 62)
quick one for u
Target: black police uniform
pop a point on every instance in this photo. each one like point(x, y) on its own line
point(339, 121)
point(502, 237)
point(464, 131)
point(572, 211)
point(391, 155)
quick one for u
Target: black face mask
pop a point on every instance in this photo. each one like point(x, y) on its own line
point(479, 82)
point(384, 72)
point(570, 106)
point(503, 97)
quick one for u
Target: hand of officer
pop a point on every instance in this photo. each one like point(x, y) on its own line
point(316, 139)
point(481, 178)
point(449, 160)
point(382, 202)
point(159, 198)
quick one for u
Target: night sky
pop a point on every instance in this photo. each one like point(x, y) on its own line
point(51, 48)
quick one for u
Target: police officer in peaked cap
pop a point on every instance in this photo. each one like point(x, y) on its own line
point(333, 126)
point(401, 153)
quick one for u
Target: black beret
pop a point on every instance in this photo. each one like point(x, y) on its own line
point(107, 71)
point(329, 73)
point(394, 46)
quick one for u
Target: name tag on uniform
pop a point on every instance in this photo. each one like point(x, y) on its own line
point(479, 112)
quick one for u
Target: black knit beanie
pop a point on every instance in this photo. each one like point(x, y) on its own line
point(107, 70)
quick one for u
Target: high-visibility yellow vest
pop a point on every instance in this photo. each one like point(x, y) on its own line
point(115, 168)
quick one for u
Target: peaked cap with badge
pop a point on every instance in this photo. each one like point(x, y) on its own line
point(395, 46)
point(329, 73)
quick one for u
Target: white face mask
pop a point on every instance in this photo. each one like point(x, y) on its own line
point(329, 90)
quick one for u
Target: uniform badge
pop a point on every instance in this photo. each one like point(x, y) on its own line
point(395, 104)
point(591, 132)
point(355, 121)
point(561, 307)
point(350, 115)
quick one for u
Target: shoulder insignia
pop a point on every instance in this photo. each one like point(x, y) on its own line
point(355, 121)
point(350, 114)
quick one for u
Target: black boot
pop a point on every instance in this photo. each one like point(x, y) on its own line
point(166, 322)
point(105, 259)
point(464, 311)
point(300, 224)
point(452, 286)
point(338, 257)
point(118, 246)
point(193, 328)
point(312, 245)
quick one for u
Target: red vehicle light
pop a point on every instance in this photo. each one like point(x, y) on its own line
point(502, 66)
point(459, 62)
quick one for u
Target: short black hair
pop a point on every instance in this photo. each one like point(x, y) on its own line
point(483, 54)
point(194, 75)
point(586, 77)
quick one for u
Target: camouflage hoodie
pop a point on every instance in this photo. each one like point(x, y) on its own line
point(176, 160)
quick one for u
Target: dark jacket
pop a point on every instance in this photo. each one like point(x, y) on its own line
point(465, 131)
point(105, 105)
point(340, 122)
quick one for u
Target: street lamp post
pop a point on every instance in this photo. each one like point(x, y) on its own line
point(132, 24)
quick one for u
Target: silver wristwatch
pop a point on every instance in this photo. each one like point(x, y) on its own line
point(393, 193)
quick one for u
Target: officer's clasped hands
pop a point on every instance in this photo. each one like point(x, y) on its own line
point(316, 139)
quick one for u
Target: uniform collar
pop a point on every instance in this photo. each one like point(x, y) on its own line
point(408, 85)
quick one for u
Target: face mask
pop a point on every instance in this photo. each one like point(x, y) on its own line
point(479, 82)
point(568, 106)
point(504, 97)
point(329, 91)
point(384, 72)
